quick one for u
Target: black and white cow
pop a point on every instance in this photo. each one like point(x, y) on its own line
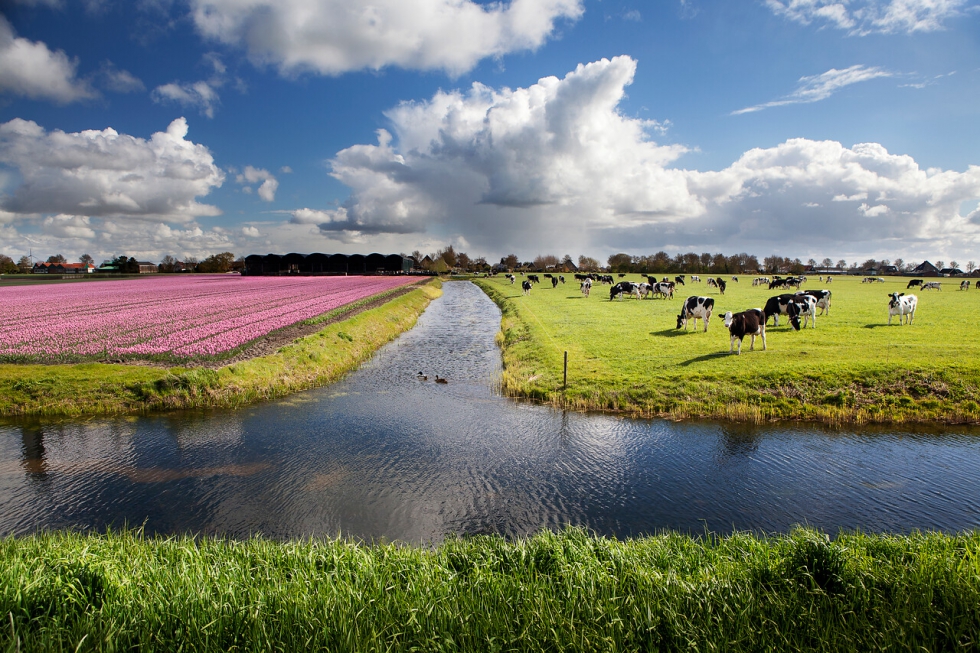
point(696, 307)
point(901, 305)
point(561, 278)
point(679, 280)
point(695, 277)
point(712, 283)
point(783, 305)
point(586, 286)
point(554, 282)
point(965, 285)
point(808, 309)
point(914, 282)
point(624, 288)
point(747, 323)
point(933, 285)
point(526, 286)
point(534, 278)
point(663, 288)
point(777, 283)
point(721, 285)
point(512, 279)
point(822, 297)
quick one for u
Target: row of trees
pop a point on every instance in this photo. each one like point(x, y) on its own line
point(223, 262)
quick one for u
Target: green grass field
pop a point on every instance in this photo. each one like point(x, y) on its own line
point(567, 591)
point(626, 355)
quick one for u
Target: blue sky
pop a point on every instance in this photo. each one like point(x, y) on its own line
point(810, 128)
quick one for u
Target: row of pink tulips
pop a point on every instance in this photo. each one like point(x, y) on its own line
point(172, 315)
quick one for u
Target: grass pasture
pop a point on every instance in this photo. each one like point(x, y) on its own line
point(626, 355)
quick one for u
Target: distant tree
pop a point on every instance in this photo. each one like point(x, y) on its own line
point(217, 263)
point(480, 263)
point(7, 265)
point(812, 262)
point(168, 264)
point(57, 258)
point(953, 264)
point(447, 254)
point(439, 265)
point(511, 262)
point(542, 261)
point(771, 263)
point(796, 266)
point(870, 264)
point(85, 259)
point(827, 263)
point(841, 264)
point(620, 262)
point(899, 263)
point(971, 266)
point(588, 264)
point(463, 261)
point(940, 264)
point(24, 263)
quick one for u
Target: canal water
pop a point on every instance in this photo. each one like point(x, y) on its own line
point(384, 455)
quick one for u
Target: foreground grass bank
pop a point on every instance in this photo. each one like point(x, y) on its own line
point(627, 356)
point(317, 359)
point(556, 592)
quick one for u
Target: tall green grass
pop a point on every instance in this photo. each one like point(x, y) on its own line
point(314, 360)
point(552, 592)
point(627, 356)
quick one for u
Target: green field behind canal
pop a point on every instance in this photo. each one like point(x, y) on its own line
point(626, 355)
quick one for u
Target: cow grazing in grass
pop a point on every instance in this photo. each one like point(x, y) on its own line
point(694, 308)
point(586, 286)
point(721, 285)
point(783, 305)
point(526, 286)
point(933, 285)
point(561, 278)
point(512, 279)
point(902, 305)
point(712, 283)
point(822, 297)
point(554, 282)
point(914, 282)
point(747, 323)
point(695, 277)
point(965, 285)
point(624, 288)
point(735, 279)
point(679, 279)
point(663, 288)
point(534, 278)
point(808, 309)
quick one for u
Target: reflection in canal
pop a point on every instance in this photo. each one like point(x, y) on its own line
point(385, 454)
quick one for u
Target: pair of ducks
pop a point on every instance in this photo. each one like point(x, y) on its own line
point(439, 379)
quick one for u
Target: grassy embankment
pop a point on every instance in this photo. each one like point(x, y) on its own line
point(627, 355)
point(318, 359)
point(559, 592)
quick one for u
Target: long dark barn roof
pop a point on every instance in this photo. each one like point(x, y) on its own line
point(318, 263)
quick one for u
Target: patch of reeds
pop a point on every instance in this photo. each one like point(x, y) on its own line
point(567, 591)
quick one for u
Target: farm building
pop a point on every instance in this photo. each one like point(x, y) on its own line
point(317, 263)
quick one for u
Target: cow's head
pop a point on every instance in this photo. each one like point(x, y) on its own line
point(793, 313)
point(728, 319)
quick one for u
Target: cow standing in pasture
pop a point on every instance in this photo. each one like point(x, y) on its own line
point(512, 279)
point(933, 285)
point(914, 282)
point(624, 288)
point(783, 305)
point(526, 287)
point(901, 305)
point(696, 307)
point(721, 285)
point(586, 286)
point(964, 285)
point(554, 282)
point(747, 323)
point(822, 297)
point(679, 280)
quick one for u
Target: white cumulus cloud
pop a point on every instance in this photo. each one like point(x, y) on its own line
point(556, 166)
point(336, 36)
point(105, 173)
point(862, 17)
point(267, 191)
point(197, 95)
point(29, 69)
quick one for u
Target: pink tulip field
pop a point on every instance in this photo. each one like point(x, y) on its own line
point(166, 316)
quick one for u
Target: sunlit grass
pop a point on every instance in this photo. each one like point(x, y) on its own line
point(558, 592)
point(627, 355)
